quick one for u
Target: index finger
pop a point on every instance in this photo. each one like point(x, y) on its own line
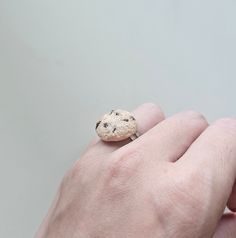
point(214, 153)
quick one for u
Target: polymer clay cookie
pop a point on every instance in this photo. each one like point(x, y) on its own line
point(118, 125)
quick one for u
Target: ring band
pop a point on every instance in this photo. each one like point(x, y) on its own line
point(134, 136)
point(117, 125)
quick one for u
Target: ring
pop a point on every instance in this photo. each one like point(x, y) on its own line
point(117, 125)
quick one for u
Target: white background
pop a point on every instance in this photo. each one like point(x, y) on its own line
point(63, 63)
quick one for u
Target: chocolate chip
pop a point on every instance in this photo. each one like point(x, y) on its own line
point(114, 130)
point(105, 125)
point(97, 124)
point(117, 113)
point(126, 120)
point(132, 118)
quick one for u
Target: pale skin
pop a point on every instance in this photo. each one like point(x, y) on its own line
point(175, 180)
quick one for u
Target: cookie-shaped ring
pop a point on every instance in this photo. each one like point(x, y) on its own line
point(117, 125)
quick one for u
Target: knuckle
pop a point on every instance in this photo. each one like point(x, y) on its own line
point(189, 188)
point(226, 123)
point(124, 163)
point(195, 120)
point(154, 109)
point(186, 195)
point(225, 130)
point(195, 178)
point(121, 171)
point(191, 114)
point(149, 105)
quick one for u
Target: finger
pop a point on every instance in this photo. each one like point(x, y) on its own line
point(168, 140)
point(226, 227)
point(147, 115)
point(214, 154)
point(232, 200)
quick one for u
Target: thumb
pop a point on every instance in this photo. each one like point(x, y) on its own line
point(226, 227)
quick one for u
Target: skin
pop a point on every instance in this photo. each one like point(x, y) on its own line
point(175, 180)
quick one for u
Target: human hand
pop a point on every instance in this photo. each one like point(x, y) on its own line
point(173, 181)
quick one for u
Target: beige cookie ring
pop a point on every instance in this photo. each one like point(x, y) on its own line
point(117, 125)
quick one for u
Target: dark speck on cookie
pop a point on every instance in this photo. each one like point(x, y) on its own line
point(105, 125)
point(132, 118)
point(97, 124)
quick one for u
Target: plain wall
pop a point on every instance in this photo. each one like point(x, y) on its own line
point(63, 63)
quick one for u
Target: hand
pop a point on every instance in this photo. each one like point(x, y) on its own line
point(173, 181)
